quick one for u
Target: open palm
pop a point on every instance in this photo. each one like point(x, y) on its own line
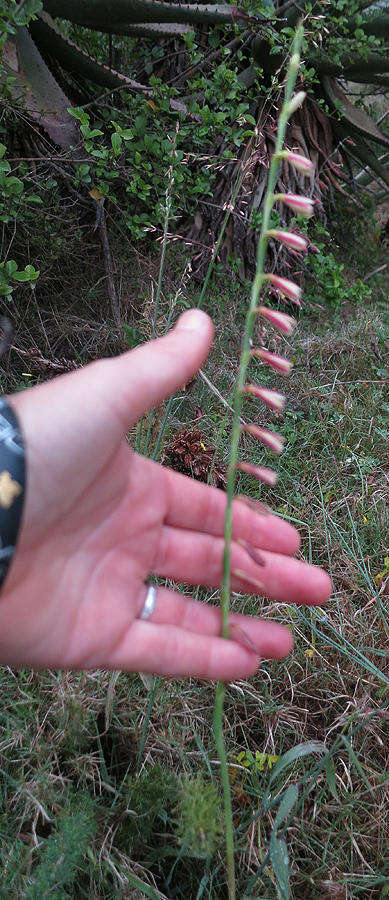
point(99, 519)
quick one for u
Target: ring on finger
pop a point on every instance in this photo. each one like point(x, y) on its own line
point(150, 601)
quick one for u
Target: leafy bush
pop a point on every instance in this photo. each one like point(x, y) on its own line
point(326, 283)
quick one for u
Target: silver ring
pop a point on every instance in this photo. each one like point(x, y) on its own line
point(149, 604)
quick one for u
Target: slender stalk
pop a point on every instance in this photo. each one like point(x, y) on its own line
point(236, 431)
point(161, 273)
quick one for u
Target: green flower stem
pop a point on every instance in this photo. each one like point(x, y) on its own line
point(234, 448)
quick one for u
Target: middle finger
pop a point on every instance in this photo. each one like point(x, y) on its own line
point(195, 558)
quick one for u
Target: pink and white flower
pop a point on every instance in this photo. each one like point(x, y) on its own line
point(289, 288)
point(279, 320)
point(289, 238)
point(271, 398)
point(304, 206)
point(299, 162)
point(271, 439)
point(279, 363)
point(259, 472)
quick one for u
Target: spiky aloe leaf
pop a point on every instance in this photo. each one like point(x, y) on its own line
point(374, 64)
point(362, 78)
point(48, 37)
point(43, 99)
point(105, 15)
point(158, 29)
point(357, 119)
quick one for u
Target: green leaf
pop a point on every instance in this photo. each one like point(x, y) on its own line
point(21, 276)
point(116, 142)
point(280, 862)
point(288, 801)
point(295, 753)
point(11, 267)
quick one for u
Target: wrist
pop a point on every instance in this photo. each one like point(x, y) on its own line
point(12, 484)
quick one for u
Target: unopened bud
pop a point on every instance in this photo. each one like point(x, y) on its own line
point(272, 399)
point(271, 439)
point(289, 238)
point(259, 472)
point(279, 363)
point(301, 205)
point(296, 102)
point(299, 162)
point(289, 288)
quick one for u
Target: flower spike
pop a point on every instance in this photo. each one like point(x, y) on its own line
point(304, 207)
point(279, 363)
point(289, 288)
point(289, 238)
point(301, 205)
point(279, 320)
point(267, 476)
point(271, 398)
point(271, 439)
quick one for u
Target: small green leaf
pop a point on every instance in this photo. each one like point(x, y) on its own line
point(116, 142)
point(11, 267)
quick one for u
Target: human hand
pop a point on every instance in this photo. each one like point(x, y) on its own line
point(98, 519)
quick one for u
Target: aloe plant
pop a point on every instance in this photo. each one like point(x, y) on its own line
point(46, 99)
point(303, 206)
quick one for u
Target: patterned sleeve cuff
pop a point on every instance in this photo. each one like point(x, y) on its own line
point(12, 484)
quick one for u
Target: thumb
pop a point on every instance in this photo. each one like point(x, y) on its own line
point(140, 379)
point(64, 418)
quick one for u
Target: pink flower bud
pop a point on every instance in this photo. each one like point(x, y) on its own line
point(271, 439)
point(289, 288)
point(272, 398)
point(259, 472)
point(299, 162)
point(279, 320)
point(289, 238)
point(279, 363)
point(301, 205)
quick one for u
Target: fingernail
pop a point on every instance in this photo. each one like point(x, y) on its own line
point(193, 320)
